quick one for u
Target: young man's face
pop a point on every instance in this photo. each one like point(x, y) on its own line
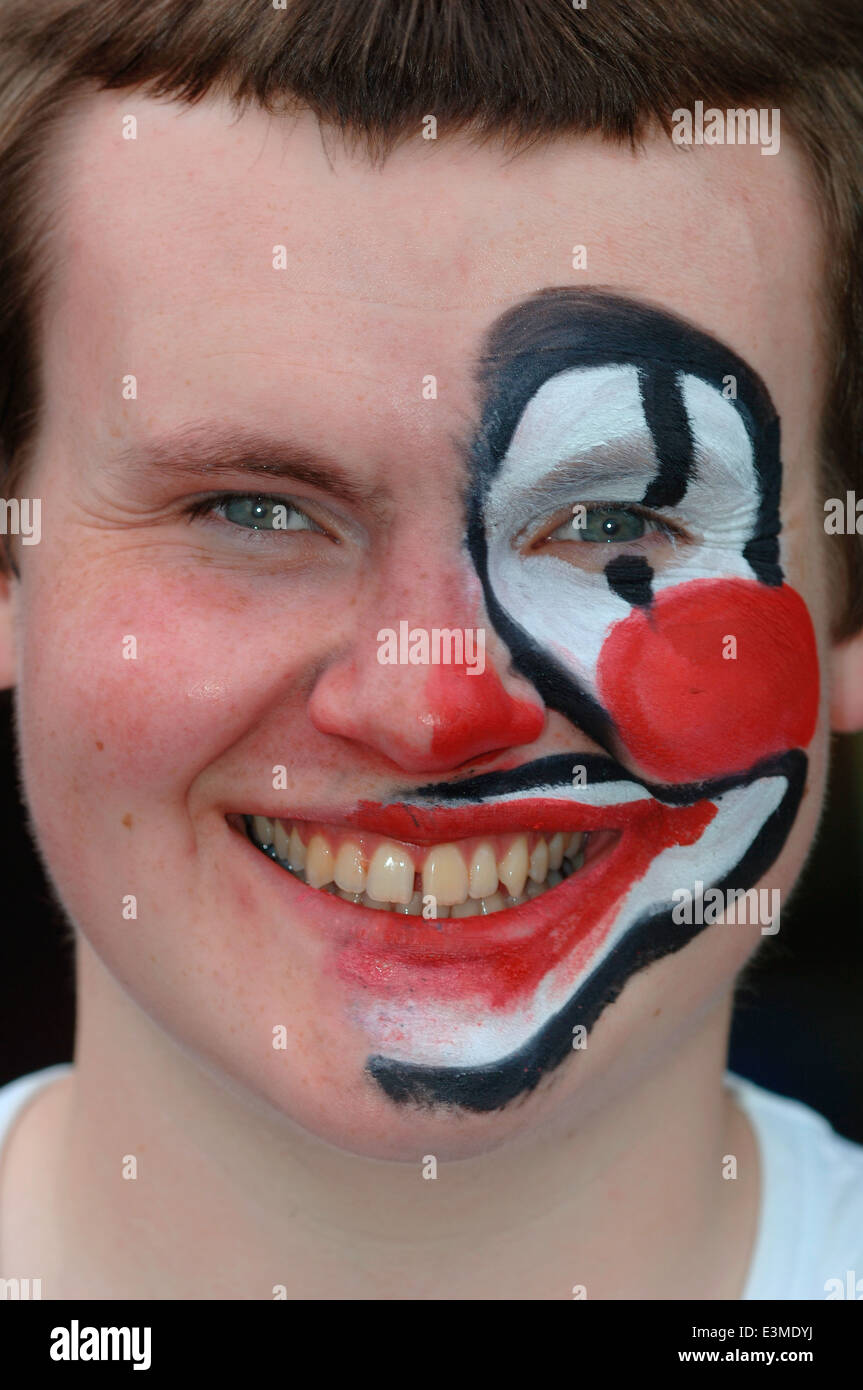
point(228, 709)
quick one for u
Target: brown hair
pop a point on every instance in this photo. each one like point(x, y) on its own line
point(523, 69)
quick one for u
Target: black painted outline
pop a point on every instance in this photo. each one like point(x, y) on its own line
point(662, 402)
point(631, 578)
point(558, 329)
point(548, 333)
point(484, 1088)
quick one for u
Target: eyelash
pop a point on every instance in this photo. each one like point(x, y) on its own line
point(665, 527)
point(207, 506)
point(672, 531)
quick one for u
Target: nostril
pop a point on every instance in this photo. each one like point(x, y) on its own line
point(423, 721)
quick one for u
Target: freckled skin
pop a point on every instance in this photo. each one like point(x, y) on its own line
point(248, 659)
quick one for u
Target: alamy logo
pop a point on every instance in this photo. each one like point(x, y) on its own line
point(21, 517)
point(759, 906)
point(737, 126)
point(843, 516)
point(436, 646)
point(851, 1287)
point(20, 1290)
point(76, 1343)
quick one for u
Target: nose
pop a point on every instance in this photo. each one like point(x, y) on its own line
point(424, 718)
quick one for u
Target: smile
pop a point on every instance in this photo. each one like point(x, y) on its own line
point(447, 1002)
point(469, 877)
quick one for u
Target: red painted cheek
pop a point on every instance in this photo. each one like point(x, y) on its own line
point(683, 710)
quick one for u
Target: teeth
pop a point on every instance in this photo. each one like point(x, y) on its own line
point(296, 850)
point(512, 869)
point(391, 875)
point(445, 875)
point(319, 862)
point(483, 886)
point(556, 846)
point(538, 864)
point(483, 872)
point(280, 840)
point(349, 870)
point(262, 829)
point(413, 908)
point(495, 903)
point(471, 908)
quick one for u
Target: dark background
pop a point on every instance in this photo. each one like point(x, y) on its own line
point(798, 1025)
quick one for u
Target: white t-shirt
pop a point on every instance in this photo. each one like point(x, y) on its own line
point(809, 1242)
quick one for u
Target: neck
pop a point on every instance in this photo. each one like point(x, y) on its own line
point(621, 1192)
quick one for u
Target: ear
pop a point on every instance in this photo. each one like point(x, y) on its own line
point(846, 703)
point(8, 586)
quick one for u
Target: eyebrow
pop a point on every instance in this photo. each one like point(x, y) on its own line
point(206, 451)
point(631, 454)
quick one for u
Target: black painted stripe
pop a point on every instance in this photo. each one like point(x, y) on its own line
point(668, 422)
point(490, 1087)
point(631, 578)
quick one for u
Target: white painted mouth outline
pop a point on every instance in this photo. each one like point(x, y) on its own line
point(437, 1035)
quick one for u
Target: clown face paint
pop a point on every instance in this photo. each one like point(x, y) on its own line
point(682, 654)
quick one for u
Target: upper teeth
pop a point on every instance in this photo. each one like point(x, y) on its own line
point(466, 878)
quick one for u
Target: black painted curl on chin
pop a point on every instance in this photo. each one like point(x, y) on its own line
point(548, 333)
point(486, 1088)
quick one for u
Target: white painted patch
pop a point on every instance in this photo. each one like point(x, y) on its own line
point(583, 438)
point(430, 1032)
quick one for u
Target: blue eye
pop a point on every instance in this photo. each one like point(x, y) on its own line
point(263, 513)
point(254, 512)
point(609, 524)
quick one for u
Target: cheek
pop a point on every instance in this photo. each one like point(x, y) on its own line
point(713, 677)
point(123, 683)
point(117, 735)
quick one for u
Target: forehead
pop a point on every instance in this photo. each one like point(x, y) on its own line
point(391, 273)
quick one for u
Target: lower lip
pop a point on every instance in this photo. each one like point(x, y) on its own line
point(501, 958)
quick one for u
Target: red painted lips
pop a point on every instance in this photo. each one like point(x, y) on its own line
point(502, 958)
